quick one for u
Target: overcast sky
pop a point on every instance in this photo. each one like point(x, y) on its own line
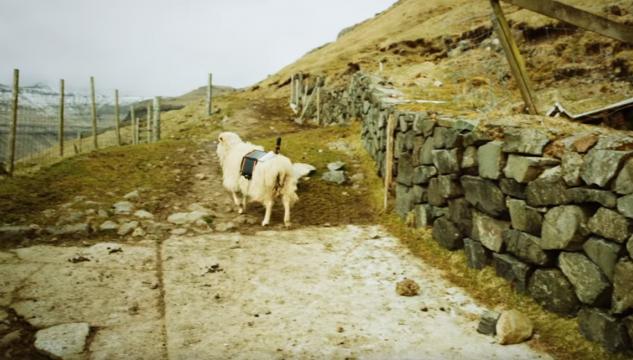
point(165, 47)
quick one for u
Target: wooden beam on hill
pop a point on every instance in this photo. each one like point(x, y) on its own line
point(577, 17)
point(517, 65)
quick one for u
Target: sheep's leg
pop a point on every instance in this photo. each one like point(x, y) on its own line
point(286, 202)
point(269, 209)
point(244, 201)
point(236, 201)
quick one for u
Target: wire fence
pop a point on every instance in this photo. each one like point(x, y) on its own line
point(40, 140)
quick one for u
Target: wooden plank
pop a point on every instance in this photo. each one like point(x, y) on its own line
point(513, 55)
point(577, 17)
point(117, 117)
point(93, 111)
point(391, 128)
point(14, 121)
point(61, 117)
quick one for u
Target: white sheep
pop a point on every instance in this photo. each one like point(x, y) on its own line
point(271, 179)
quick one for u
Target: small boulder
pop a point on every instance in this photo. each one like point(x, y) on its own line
point(407, 287)
point(337, 165)
point(300, 170)
point(131, 195)
point(488, 323)
point(335, 176)
point(123, 208)
point(143, 214)
point(109, 226)
point(127, 228)
point(513, 327)
point(62, 341)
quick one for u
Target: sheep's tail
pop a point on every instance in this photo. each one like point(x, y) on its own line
point(286, 186)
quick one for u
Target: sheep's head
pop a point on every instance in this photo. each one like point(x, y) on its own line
point(225, 141)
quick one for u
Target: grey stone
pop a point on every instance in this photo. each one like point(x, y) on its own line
point(598, 326)
point(527, 168)
point(446, 233)
point(525, 247)
point(601, 166)
point(422, 174)
point(551, 289)
point(423, 215)
point(444, 138)
point(336, 165)
point(409, 140)
point(477, 256)
point(571, 163)
point(623, 286)
point(524, 217)
point(623, 183)
point(11, 338)
point(62, 341)
point(590, 284)
point(428, 125)
point(484, 195)
point(127, 228)
point(460, 213)
point(513, 327)
point(405, 170)
point(404, 200)
point(81, 229)
point(442, 188)
point(398, 146)
point(446, 161)
point(512, 188)
point(404, 121)
point(476, 137)
point(143, 214)
point(489, 231)
point(337, 177)
point(225, 226)
point(70, 218)
point(182, 218)
point(488, 323)
point(581, 195)
point(629, 246)
point(544, 192)
point(613, 141)
point(603, 253)
point(123, 208)
point(419, 194)
point(439, 211)
point(625, 205)
point(513, 270)
point(426, 153)
point(491, 160)
point(109, 226)
point(469, 158)
point(16, 232)
point(525, 141)
point(133, 195)
point(564, 227)
point(610, 224)
point(300, 170)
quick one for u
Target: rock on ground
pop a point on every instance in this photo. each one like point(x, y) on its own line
point(62, 341)
point(513, 327)
point(407, 287)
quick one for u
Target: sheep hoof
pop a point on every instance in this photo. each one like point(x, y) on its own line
point(264, 223)
point(240, 211)
point(288, 224)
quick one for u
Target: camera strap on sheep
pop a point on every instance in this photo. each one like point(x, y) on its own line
point(250, 160)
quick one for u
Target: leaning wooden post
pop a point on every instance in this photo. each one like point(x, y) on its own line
point(117, 117)
point(210, 95)
point(93, 110)
point(149, 122)
point(292, 89)
point(156, 118)
point(14, 121)
point(61, 118)
point(513, 55)
point(133, 124)
point(391, 127)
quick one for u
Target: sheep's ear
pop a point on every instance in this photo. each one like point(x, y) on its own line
point(220, 139)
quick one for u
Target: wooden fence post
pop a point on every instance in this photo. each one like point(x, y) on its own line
point(133, 124)
point(156, 118)
point(149, 122)
point(318, 105)
point(117, 117)
point(61, 117)
point(93, 110)
point(14, 121)
point(292, 89)
point(391, 127)
point(210, 95)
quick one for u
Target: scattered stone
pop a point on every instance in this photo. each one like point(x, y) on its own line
point(585, 195)
point(335, 166)
point(16, 233)
point(590, 284)
point(623, 183)
point(625, 206)
point(525, 247)
point(78, 259)
point(138, 232)
point(598, 326)
point(623, 286)
point(524, 169)
point(489, 231)
point(225, 227)
point(131, 195)
point(513, 270)
point(603, 253)
point(488, 323)
point(186, 217)
point(446, 233)
point(337, 177)
point(446, 161)
point(143, 214)
point(484, 195)
point(551, 289)
point(609, 224)
point(564, 227)
point(407, 287)
point(300, 170)
point(422, 174)
point(491, 160)
point(601, 166)
point(102, 214)
point(477, 256)
point(70, 230)
point(200, 176)
point(178, 231)
point(62, 341)
point(123, 208)
point(525, 141)
point(109, 226)
point(71, 218)
point(513, 327)
point(571, 163)
point(127, 228)
point(524, 218)
point(546, 192)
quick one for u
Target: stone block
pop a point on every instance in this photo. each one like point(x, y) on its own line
point(603, 253)
point(446, 161)
point(488, 323)
point(524, 169)
point(551, 289)
point(491, 160)
point(580, 195)
point(445, 138)
point(600, 166)
point(405, 170)
point(460, 213)
point(523, 217)
point(513, 270)
point(598, 326)
point(525, 247)
point(571, 164)
point(625, 205)
point(623, 183)
point(512, 188)
point(469, 158)
point(423, 215)
point(545, 192)
point(477, 256)
point(404, 200)
point(426, 153)
point(590, 284)
point(422, 174)
point(610, 224)
point(525, 141)
point(442, 188)
point(489, 231)
point(622, 299)
point(564, 227)
point(483, 194)
point(447, 234)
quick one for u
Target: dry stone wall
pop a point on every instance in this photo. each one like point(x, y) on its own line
point(552, 213)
